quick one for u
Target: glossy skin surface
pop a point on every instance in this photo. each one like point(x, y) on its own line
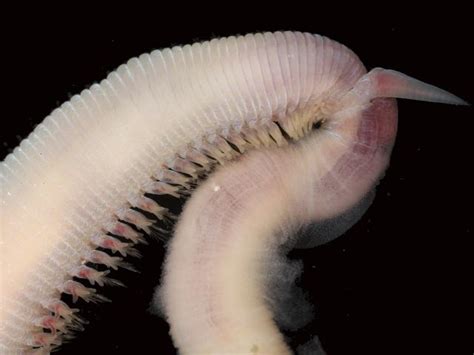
point(83, 177)
point(425, 106)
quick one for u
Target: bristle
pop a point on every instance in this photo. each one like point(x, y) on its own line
point(113, 262)
point(99, 257)
point(172, 177)
point(163, 188)
point(77, 290)
point(195, 156)
point(147, 204)
point(186, 167)
point(43, 339)
point(125, 231)
point(52, 323)
point(114, 245)
point(135, 217)
point(90, 274)
point(236, 139)
point(276, 134)
point(61, 309)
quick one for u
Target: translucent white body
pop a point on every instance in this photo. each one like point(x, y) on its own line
point(65, 186)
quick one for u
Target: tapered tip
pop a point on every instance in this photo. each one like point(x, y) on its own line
point(390, 83)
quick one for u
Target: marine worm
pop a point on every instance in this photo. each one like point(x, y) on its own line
point(267, 132)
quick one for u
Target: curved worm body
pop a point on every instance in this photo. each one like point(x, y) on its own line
point(228, 237)
point(81, 190)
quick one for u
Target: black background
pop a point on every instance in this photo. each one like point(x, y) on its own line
point(399, 281)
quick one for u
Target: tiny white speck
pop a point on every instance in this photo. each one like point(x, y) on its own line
point(216, 188)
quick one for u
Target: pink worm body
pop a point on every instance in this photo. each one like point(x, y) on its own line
point(152, 127)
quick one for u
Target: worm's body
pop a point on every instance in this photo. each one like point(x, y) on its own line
point(152, 127)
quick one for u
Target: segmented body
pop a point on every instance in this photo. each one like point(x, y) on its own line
point(149, 119)
point(80, 190)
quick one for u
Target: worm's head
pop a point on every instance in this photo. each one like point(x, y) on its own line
point(353, 146)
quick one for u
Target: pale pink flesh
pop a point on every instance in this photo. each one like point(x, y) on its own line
point(65, 186)
point(233, 225)
point(381, 82)
point(231, 228)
